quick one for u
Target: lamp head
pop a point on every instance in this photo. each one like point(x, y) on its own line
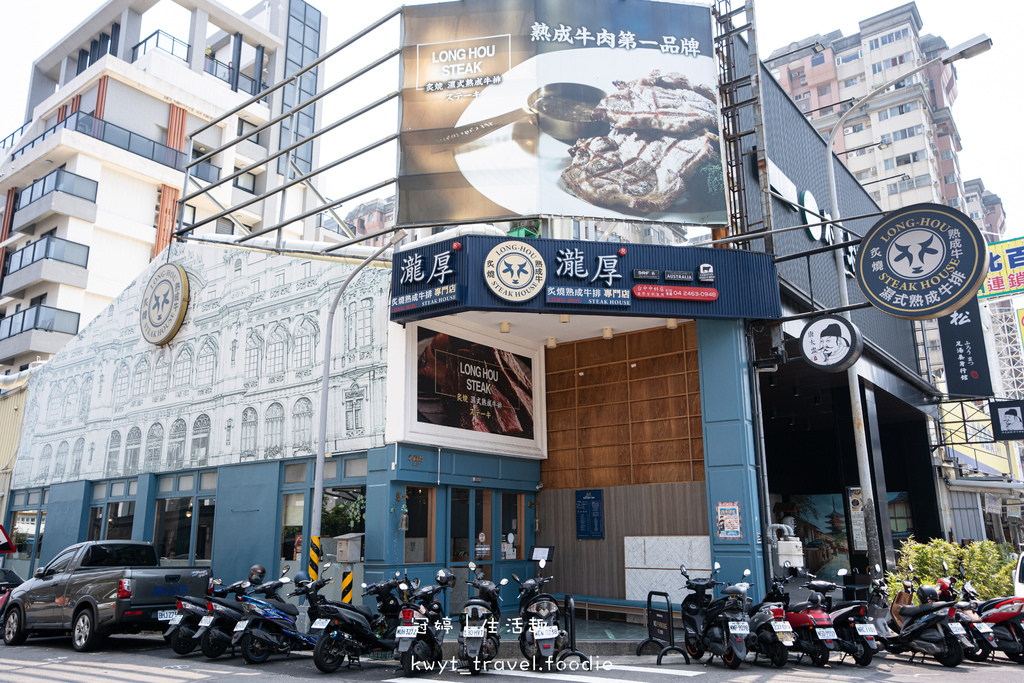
point(971, 48)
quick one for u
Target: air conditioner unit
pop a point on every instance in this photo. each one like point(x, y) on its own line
point(848, 130)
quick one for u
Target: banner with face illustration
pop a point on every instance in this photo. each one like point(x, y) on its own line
point(602, 109)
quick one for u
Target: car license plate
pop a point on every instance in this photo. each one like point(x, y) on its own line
point(545, 632)
point(205, 621)
point(826, 633)
point(956, 628)
point(240, 626)
point(474, 631)
point(782, 626)
point(866, 629)
point(321, 623)
point(407, 631)
point(739, 628)
point(169, 615)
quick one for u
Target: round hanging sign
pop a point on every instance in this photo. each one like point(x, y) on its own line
point(831, 343)
point(922, 262)
point(164, 303)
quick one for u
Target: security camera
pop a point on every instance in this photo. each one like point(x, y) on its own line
point(540, 485)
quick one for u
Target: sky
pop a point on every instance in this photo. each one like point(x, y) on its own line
point(988, 102)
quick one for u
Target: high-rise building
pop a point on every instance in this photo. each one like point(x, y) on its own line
point(89, 185)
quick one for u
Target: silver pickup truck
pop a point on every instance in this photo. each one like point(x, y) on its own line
point(97, 588)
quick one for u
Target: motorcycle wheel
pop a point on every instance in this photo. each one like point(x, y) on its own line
point(819, 655)
point(523, 649)
point(212, 648)
point(254, 650)
point(953, 655)
point(694, 650)
point(326, 655)
point(182, 641)
point(980, 652)
point(475, 666)
point(407, 662)
point(778, 655)
point(731, 659)
point(542, 664)
point(863, 654)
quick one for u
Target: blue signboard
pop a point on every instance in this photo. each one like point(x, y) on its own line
point(590, 514)
point(484, 273)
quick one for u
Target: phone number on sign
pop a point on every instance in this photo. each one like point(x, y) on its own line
point(678, 293)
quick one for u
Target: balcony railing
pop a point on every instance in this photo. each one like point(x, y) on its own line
point(9, 141)
point(124, 139)
point(161, 41)
point(58, 181)
point(223, 72)
point(49, 247)
point(39, 318)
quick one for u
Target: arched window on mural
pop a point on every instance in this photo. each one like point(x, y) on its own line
point(70, 401)
point(85, 403)
point(302, 426)
point(60, 463)
point(351, 325)
point(176, 445)
point(275, 431)
point(121, 381)
point(304, 346)
point(43, 471)
point(140, 379)
point(132, 448)
point(354, 409)
point(250, 425)
point(206, 365)
point(113, 454)
point(200, 441)
point(276, 345)
point(365, 317)
point(154, 448)
point(238, 266)
point(183, 368)
point(252, 355)
point(76, 460)
point(53, 407)
point(162, 374)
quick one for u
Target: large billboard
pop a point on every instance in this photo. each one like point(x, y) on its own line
point(1005, 269)
point(601, 109)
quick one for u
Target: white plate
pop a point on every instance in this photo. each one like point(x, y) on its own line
point(826, 633)
point(320, 623)
point(205, 621)
point(982, 627)
point(240, 626)
point(407, 631)
point(866, 629)
point(782, 626)
point(473, 631)
point(956, 628)
point(739, 628)
point(169, 615)
point(540, 632)
point(504, 171)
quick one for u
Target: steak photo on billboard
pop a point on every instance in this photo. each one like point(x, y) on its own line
point(473, 386)
point(604, 109)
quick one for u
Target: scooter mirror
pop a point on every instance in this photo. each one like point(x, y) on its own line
point(516, 578)
point(397, 574)
point(787, 564)
point(285, 569)
point(218, 581)
point(717, 566)
point(746, 573)
point(416, 582)
point(543, 563)
point(910, 567)
point(945, 567)
point(246, 584)
point(472, 566)
point(503, 582)
point(285, 579)
point(327, 565)
point(841, 572)
point(878, 568)
point(682, 570)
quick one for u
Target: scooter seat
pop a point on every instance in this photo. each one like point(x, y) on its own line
point(362, 609)
point(849, 603)
point(286, 607)
point(732, 590)
point(914, 610)
point(989, 604)
point(801, 606)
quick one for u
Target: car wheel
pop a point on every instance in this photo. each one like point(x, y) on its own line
point(14, 627)
point(83, 631)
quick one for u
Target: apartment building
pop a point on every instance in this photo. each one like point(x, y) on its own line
point(90, 184)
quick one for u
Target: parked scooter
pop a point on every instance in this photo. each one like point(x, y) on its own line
point(812, 625)
point(222, 613)
point(1004, 616)
point(349, 631)
point(928, 628)
point(541, 639)
point(479, 640)
point(720, 626)
point(183, 625)
point(773, 634)
point(270, 624)
point(983, 641)
point(858, 636)
point(420, 635)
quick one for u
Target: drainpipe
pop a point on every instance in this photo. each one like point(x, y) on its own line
point(760, 462)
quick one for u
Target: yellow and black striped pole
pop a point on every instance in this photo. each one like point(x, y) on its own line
point(346, 587)
point(314, 557)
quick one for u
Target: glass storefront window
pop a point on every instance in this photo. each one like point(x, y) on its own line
point(291, 527)
point(204, 532)
point(482, 525)
point(419, 537)
point(459, 525)
point(95, 524)
point(512, 526)
point(120, 517)
point(27, 543)
point(173, 530)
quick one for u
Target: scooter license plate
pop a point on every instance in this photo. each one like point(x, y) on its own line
point(240, 626)
point(956, 629)
point(739, 628)
point(176, 619)
point(545, 632)
point(205, 621)
point(473, 632)
point(866, 629)
point(782, 626)
point(983, 627)
point(826, 633)
point(406, 631)
point(320, 623)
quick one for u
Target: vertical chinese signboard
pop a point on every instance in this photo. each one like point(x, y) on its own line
point(1005, 269)
point(963, 352)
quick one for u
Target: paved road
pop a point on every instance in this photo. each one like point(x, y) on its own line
point(149, 660)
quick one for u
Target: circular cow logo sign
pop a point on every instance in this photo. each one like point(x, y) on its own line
point(922, 262)
point(515, 271)
point(163, 304)
point(831, 343)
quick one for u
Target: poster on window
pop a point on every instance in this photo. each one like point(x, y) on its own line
point(473, 386)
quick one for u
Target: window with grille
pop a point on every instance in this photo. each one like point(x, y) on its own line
point(183, 368)
point(140, 378)
point(365, 337)
point(252, 357)
point(204, 369)
point(121, 385)
point(302, 426)
point(162, 375)
point(132, 449)
point(61, 462)
point(250, 424)
point(303, 349)
point(76, 459)
point(44, 463)
point(200, 441)
point(275, 356)
point(154, 448)
point(113, 453)
point(275, 430)
point(176, 445)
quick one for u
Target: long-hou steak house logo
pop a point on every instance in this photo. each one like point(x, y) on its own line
point(515, 271)
point(922, 262)
point(163, 304)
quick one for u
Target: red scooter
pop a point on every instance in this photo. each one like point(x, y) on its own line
point(812, 625)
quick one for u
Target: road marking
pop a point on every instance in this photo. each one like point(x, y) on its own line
point(568, 678)
point(654, 670)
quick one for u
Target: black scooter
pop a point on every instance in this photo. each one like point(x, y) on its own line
point(183, 625)
point(222, 613)
point(720, 626)
point(541, 638)
point(479, 640)
point(929, 628)
point(419, 634)
point(348, 631)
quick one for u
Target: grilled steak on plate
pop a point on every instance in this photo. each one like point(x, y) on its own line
point(667, 103)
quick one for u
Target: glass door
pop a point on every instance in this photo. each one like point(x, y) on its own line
point(470, 532)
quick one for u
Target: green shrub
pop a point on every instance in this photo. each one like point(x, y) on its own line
point(988, 566)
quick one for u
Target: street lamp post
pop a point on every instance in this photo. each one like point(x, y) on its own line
point(318, 480)
point(972, 47)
